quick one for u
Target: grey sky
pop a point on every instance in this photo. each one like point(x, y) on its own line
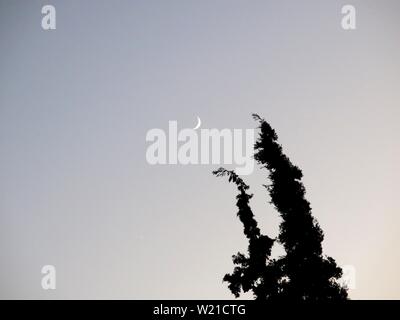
point(76, 104)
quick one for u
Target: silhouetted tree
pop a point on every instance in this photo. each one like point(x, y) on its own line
point(304, 273)
point(251, 273)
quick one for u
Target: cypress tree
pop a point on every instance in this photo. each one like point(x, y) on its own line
point(303, 273)
point(254, 272)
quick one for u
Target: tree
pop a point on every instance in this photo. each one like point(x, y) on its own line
point(251, 273)
point(303, 273)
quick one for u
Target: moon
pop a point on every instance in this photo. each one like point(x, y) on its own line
point(198, 124)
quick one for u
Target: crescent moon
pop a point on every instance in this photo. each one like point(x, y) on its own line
point(198, 124)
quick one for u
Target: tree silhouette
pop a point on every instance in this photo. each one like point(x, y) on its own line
point(304, 273)
point(251, 273)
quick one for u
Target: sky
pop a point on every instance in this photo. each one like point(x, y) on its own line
point(76, 103)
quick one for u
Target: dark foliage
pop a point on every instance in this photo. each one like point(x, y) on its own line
point(304, 273)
